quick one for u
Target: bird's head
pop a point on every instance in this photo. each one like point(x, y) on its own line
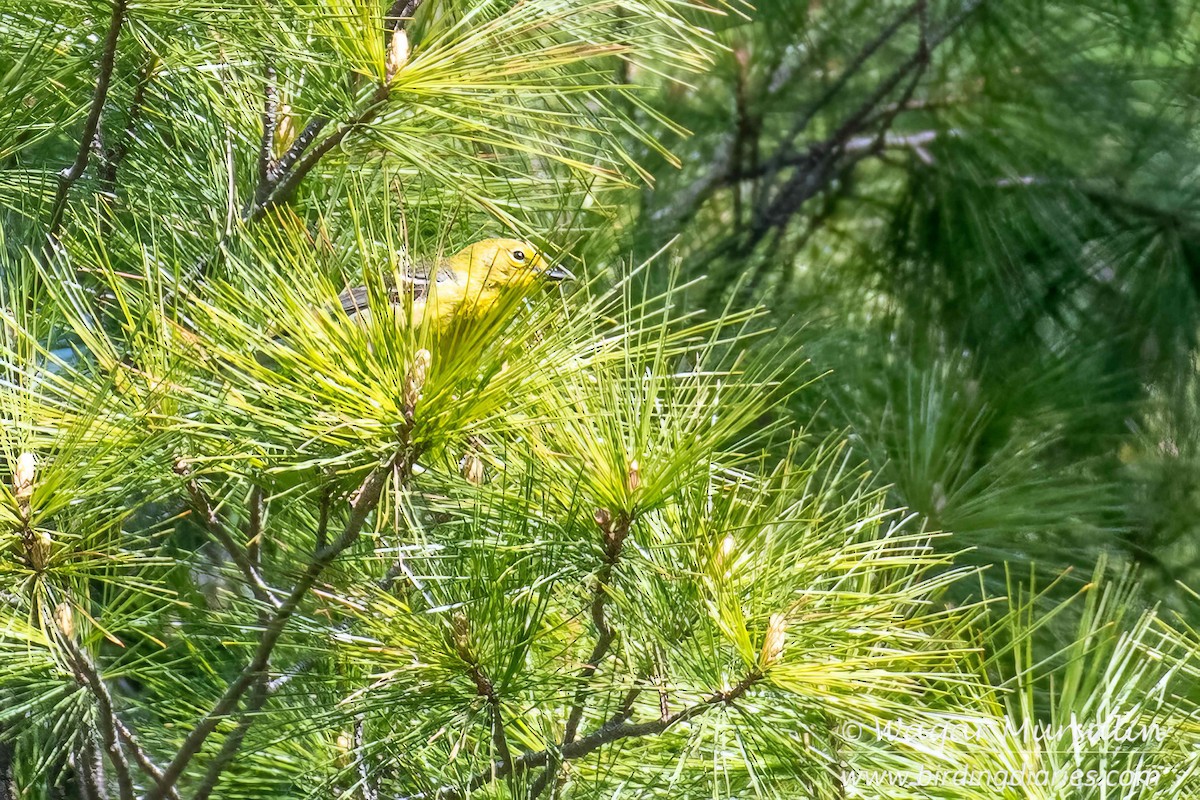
point(506, 262)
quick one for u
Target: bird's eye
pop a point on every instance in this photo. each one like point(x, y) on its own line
point(519, 255)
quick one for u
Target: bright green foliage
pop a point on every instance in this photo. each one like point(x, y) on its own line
point(579, 546)
point(986, 213)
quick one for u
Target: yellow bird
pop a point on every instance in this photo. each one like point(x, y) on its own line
point(468, 283)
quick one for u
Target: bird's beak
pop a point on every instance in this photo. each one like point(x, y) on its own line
point(557, 273)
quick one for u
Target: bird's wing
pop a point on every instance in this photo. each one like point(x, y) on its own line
point(355, 299)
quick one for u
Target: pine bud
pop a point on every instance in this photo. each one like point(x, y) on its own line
point(460, 629)
point(285, 130)
point(471, 468)
point(773, 643)
point(728, 546)
point(38, 544)
point(397, 55)
point(634, 476)
point(414, 381)
point(603, 518)
point(64, 617)
point(345, 749)
point(23, 477)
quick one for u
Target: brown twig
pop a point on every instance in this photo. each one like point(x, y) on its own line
point(216, 526)
point(68, 177)
point(114, 157)
point(614, 531)
point(233, 742)
point(615, 730)
point(366, 498)
point(369, 792)
point(88, 676)
point(279, 181)
point(270, 123)
point(484, 687)
point(140, 756)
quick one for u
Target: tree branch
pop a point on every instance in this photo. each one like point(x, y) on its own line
point(141, 757)
point(68, 177)
point(114, 157)
point(87, 675)
point(270, 122)
point(233, 742)
point(615, 730)
point(365, 500)
point(369, 792)
point(277, 183)
point(216, 526)
point(615, 533)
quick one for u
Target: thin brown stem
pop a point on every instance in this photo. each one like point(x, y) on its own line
point(615, 730)
point(233, 742)
point(215, 525)
point(365, 500)
point(88, 676)
point(68, 177)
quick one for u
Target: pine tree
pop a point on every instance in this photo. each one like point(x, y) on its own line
point(575, 547)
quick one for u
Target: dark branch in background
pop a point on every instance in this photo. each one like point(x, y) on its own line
point(68, 177)
point(616, 729)
point(836, 88)
point(366, 498)
point(8, 791)
point(278, 181)
point(114, 156)
point(823, 158)
point(813, 169)
point(212, 522)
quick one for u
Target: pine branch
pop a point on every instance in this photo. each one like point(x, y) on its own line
point(615, 532)
point(140, 756)
point(484, 687)
point(366, 498)
point(89, 677)
point(270, 123)
point(233, 742)
point(369, 791)
point(216, 526)
point(114, 157)
point(279, 182)
point(74, 172)
point(615, 730)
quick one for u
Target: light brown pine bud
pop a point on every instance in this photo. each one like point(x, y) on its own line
point(773, 642)
point(414, 381)
point(397, 55)
point(38, 544)
point(634, 475)
point(471, 468)
point(23, 479)
point(64, 617)
point(460, 628)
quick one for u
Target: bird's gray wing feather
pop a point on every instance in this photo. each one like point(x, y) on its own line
point(355, 299)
